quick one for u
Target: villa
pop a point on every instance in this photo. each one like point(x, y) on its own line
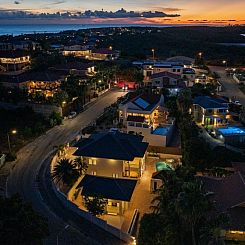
point(45, 83)
point(113, 154)
point(210, 111)
point(171, 81)
point(76, 50)
point(146, 115)
point(14, 62)
point(115, 162)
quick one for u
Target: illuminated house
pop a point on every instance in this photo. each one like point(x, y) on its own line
point(14, 62)
point(45, 83)
point(104, 54)
point(210, 111)
point(150, 68)
point(76, 50)
point(172, 82)
point(115, 162)
point(146, 115)
point(228, 195)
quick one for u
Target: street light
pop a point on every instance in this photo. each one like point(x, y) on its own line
point(200, 54)
point(57, 238)
point(153, 53)
point(14, 131)
point(225, 63)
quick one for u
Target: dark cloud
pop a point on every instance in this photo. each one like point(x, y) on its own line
point(17, 2)
point(57, 2)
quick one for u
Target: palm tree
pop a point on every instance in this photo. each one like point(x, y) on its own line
point(81, 165)
point(66, 171)
point(192, 205)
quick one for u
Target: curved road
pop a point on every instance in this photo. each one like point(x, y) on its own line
point(31, 159)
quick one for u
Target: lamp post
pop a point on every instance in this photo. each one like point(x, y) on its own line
point(225, 63)
point(153, 54)
point(200, 55)
point(9, 144)
point(57, 238)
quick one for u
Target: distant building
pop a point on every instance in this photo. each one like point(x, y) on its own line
point(14, 62)
point(76, 50)
point(26, 45)
point(45, 83)
point(168, 80)
point(210, 111)
point(104, 54)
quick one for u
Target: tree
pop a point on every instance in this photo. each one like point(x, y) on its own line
point(66, 171)
point(20, 224)
point(95, 205)
point(81, 165)
point(182, 212)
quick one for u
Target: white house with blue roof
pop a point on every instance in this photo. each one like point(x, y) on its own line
point(210, 111)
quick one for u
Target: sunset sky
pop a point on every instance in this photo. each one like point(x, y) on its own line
point(191, 11)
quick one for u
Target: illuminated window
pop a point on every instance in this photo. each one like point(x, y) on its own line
point(92, 161)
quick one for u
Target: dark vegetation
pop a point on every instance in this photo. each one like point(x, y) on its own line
point(20, 224)
point(187, 41)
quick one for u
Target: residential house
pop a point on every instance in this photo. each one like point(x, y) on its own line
point(75, 68)
point(228, 195)
point(76, 50)
point(210, 111)
point(168, 80)
point(146, 115)
point(104, 54)
point(115, 162)
point(14, 61)
point(45, 83)
point(150, 68)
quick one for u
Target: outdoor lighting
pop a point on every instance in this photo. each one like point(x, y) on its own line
point(224, 61)
point(153, 53)
point(64, 102)
point(200, 54)
point(110, 47)
point(14, 131)
point(99, 81)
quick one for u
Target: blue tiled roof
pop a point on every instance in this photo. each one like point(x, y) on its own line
point(112, 145)
point(109, 188)
point(208, 102)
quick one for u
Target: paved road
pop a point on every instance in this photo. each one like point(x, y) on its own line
point(30, 158)
point(230, 87)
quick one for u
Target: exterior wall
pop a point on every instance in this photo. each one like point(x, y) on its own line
point(201, 115)
point(163, 81)
point(105, 167)
point(155, 184)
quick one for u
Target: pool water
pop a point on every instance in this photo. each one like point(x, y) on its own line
point(161, 131)
point(231, 131)
point(163, 166)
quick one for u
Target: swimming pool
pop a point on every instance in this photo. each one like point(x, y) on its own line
point(163, 166)
point(231, 131)
point(161, 131)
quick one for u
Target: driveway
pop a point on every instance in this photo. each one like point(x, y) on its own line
point(22, 178)
point(229, 85)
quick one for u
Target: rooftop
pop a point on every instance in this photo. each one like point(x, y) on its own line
point(208, 102)
point(13, 54)
point(112, 145)
point(106, 187)
point(165, 74)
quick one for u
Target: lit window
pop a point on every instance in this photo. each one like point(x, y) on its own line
point(115, 175)
point(94, 173)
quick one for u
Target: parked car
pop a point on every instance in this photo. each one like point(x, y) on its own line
point(72, 115)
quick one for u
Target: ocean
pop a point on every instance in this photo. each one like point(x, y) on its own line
point(54, 28)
